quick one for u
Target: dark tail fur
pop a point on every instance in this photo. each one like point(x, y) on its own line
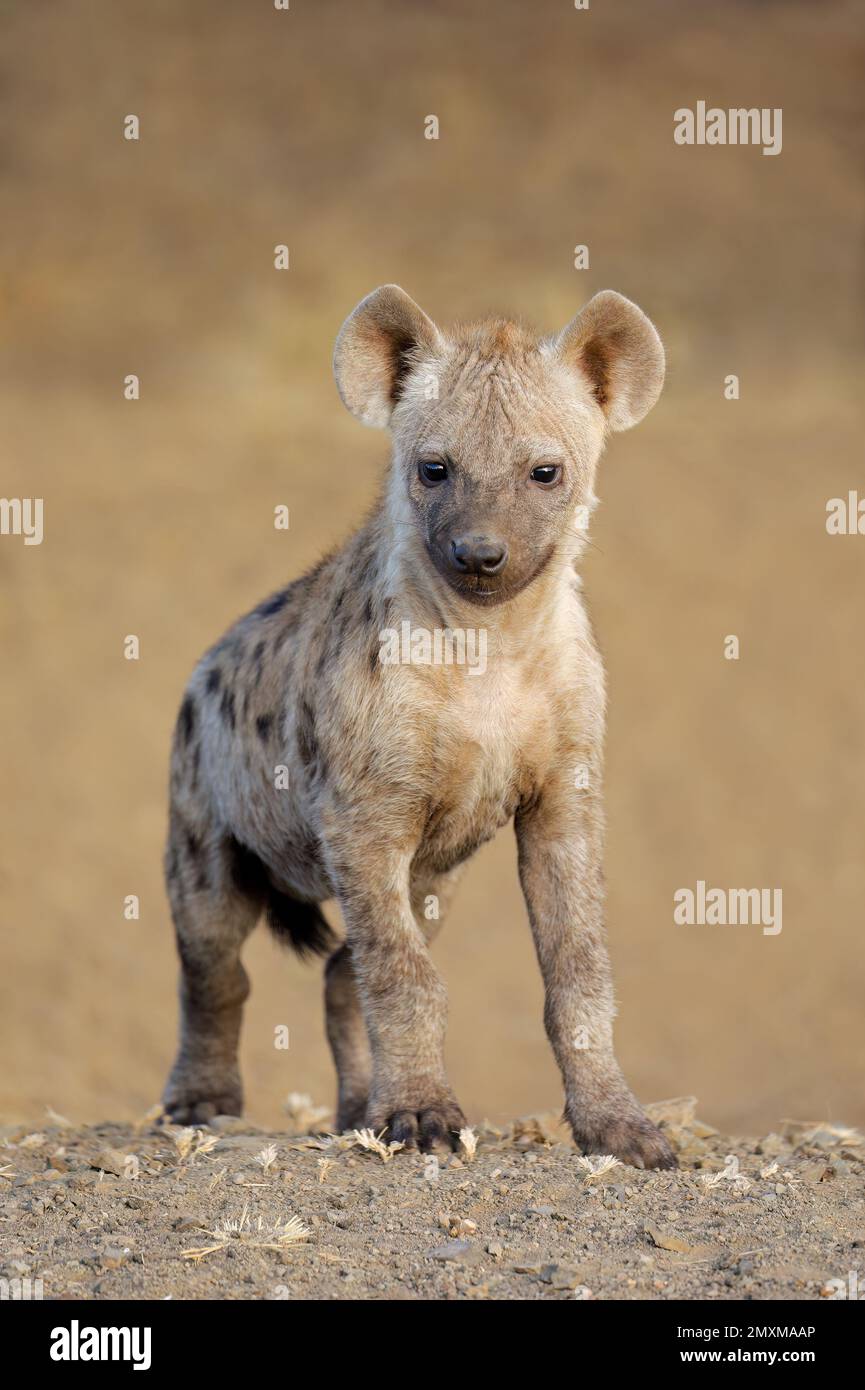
point(297, 924)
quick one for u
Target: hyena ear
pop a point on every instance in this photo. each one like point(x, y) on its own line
point(617, 349)
point(375, 349)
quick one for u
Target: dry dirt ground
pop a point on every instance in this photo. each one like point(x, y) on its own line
point(235, 1212)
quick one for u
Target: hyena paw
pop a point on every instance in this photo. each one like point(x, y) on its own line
point(631, 1137)
point(426, 1125)
point(191, 1101)
point(350, 1113)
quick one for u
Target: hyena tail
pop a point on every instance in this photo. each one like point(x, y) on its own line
point(300, 925)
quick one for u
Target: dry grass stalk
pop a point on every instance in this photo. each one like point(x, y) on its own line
point(597, 1166)
point(372, 1143)
point(191, 1143)
point(267, 1157)
point(468, 1142)
point(285, 1232)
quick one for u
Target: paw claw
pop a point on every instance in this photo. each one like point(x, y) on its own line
point(436, 1129)
point(402, 1128)
point(633, 1139)
point(188, 1103)
point(425, 1128)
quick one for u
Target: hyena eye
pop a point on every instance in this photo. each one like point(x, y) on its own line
point(432, 471)
point(546, 473)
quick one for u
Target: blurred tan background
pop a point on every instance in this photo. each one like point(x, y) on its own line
point(156, 257)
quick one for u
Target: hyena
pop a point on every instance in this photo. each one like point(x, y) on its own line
point(305, 768)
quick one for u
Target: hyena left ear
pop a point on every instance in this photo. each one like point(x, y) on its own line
point(617, 349)
point(374, 351)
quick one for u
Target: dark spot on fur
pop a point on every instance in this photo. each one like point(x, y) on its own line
point(287, 630)
point(307, 744)
point(263, 726)
point(171, 865)
point(226, 708)
point(272, 605)
point(367, 609)
point(347, 618)
point(193, 844)
point(186, 719)
point(214, 677)
point(258, 663)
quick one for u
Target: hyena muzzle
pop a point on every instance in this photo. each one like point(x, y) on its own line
point(339, 744)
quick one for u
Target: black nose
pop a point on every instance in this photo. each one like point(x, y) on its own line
point(479, 554)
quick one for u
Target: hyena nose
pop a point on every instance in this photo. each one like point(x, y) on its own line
point(479, 554)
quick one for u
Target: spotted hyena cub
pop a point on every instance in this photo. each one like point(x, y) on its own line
point(345, 740)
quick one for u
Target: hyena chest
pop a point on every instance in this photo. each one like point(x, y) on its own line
point(486, 762)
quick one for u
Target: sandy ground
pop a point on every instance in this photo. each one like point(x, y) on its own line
point(235, 1212)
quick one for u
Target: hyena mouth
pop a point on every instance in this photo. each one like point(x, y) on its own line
point(482, 591)
point(486, 591)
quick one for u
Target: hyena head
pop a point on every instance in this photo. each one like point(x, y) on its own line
point(496, 433)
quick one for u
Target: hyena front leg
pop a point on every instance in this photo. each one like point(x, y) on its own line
point(560, 849)
point(346, 1025)
point(212, 918)
point(404, 1005)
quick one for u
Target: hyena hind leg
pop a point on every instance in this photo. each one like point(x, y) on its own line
point(349, 1041)
point(213, 915)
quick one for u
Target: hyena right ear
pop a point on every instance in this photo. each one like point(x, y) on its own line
point(374, 351)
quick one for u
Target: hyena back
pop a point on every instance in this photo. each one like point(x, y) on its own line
point(305, 767)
